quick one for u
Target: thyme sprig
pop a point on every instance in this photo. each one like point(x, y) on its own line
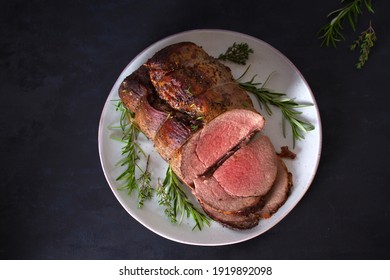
point(174, 199)
point(331, 33)
point(237, 53)
point(287, 106)
point(131, 152)
point(145, 191)
point(365, 41)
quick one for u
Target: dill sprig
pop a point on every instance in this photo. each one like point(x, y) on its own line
point(332, 31)
point(287, 106)
point(174, 199)
point(365, 41)
point(131, 154)
point(237, 53)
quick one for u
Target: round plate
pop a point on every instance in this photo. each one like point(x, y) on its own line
point(264, 61)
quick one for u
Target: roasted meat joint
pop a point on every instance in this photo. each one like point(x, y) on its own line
point(206, 127)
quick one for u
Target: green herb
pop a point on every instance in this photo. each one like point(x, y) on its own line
point(237, 53)
point(145, 191)
point(173, 198)
point(287, 106)
point(130, 151)
point(131, 154)
point(365, 41)
point(332, 31)
point(194, 127)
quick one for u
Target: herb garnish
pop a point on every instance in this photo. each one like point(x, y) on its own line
point(145, 191)
point(131, 152)
point(237, 53)
point(268, 97)
point(365, 41)
point(331, 33)
point(286, 105)
point(174, 199)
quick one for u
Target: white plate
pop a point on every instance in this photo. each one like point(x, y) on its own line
point(286, 78)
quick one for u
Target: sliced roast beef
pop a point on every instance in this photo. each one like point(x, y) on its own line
point(210, 192)
point(216, 141)
point(225, 132)
point(234, 221)
point(279, 192)
point(275, 198)
point(250, 171)
point(185, 162)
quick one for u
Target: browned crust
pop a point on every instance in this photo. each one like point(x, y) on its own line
point(267, 212)
point(187, 78)
point(232, 221)
point(170, 137)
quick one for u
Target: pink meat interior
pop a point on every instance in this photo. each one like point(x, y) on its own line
point(225, 132)
point(250, 171)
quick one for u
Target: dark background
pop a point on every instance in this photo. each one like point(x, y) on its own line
point(58, 63)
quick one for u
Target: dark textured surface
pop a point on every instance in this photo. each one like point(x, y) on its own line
point(58, 62)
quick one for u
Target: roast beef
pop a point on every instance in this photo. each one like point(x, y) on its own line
point(164, 125)
point(225, 132)
point(192, 81)
point(214, 142)
point(136, 87)
point(206, 127)
point(233, 221)
point(209, 192)
point(215, 203)
point(240, 182)
point(250, 171)
point(171, 101)
point(279, 192)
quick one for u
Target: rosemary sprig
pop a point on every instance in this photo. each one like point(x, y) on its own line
point(237, 53)
point(174, 199)
point(332, 31)
point(366, 42)
point(130, 153)
point(287, 106)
